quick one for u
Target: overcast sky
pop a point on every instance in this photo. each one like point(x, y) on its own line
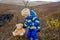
point(20, 2)
point(33, 0)
point(46, 0)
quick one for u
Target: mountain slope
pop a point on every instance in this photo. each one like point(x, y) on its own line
point(42, 10)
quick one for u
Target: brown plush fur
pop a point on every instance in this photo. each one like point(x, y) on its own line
point(19, 30)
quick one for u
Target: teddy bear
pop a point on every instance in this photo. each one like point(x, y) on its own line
point(19, 30)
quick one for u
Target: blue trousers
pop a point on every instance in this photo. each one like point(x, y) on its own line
point(32, 34)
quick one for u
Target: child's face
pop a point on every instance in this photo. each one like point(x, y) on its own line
point(25, 15)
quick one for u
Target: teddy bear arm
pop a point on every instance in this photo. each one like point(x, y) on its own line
point(16, 30)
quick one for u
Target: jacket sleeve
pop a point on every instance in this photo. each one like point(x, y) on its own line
point(28, 23)
point(24, 25)
point(36, 23)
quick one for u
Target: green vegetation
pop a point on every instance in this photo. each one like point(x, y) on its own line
point(50, 28)
point(50, 32)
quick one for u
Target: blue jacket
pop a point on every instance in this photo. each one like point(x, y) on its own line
point(32, 21)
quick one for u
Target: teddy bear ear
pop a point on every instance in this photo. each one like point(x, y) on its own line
point(17, 24)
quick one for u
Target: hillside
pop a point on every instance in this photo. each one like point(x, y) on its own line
point(42, 10)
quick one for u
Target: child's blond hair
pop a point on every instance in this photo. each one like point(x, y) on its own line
point(25, 11)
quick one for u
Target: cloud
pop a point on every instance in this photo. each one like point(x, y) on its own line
point(47, 0)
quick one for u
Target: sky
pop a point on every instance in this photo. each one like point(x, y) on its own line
point(20, 2)
point(47, 0)
point(35, 0)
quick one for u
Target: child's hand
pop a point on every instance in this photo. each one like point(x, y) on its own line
point(34, 27)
